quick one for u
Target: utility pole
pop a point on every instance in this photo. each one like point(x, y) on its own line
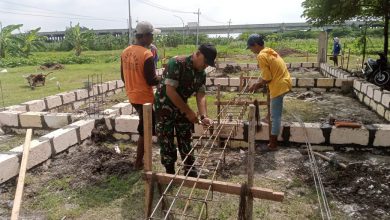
point(228, 36)
point(197, 28)
point(130, 28)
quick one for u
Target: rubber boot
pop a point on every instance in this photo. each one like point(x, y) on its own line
point(273, 143)
point(170, 168)
point(140, 154)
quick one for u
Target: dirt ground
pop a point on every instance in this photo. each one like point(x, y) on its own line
point(95, 181)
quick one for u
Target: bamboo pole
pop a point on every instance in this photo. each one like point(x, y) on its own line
point(251, 160)
point(22, 175)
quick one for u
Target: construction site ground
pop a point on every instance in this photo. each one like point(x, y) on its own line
point(93, 181)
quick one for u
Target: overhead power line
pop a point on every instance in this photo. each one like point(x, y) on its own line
point(155, 5)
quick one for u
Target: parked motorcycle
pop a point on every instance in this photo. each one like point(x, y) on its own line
point(377, 71)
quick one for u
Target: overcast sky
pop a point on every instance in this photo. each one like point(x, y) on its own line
point(52, 15)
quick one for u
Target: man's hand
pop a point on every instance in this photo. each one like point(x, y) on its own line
point(207, 121)
point(255, 87)
point(191, 116)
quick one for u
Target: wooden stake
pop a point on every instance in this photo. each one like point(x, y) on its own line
point(251, 159)
point(147, 114)
point(269, 114)
point(22, 175)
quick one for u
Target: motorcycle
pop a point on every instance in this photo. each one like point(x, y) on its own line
point(377, 71)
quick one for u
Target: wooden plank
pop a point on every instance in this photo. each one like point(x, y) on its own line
point(147, 114)
point(22, 175)
point(217, 186)
point(238, 103)
point(251, 159)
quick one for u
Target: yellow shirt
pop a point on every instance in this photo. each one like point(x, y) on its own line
point(274, 69)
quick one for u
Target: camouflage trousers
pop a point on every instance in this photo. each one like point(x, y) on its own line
point(169, 120)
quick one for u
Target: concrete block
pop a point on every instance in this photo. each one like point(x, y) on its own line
point(293, 82)
point(307, 65)
point(40, 151)
point(318, 89)
point(386, 99)
point(134, 137)
point(61, 138)
point(325, 82)
point(234, 82)
point(364, 87)
point(110, 111)
point(306, 82)
point(110, 93)
point(378, 95)
point(111, 85)
point(35, 105)
point(78, 104)
point(32, 119)
point(370, 90)
point(127, 123)
point(81, 94)
point(357, 84)
point(296, 65)
point(360, 96)
point(68, 97)
point(86, 126)
point(121, 84)
point(124, 108)
point(221, 65)
point(366, 100)
point(313, 130)
point(102, 88)
point(57, 120)
point(21, 108)
point(93, 91)
point(9, 164)
point(387, 115)
point(373, 105)
point(117, 91)
point(209, 81)
point(53, 101)
point(380, 109)
point(382, 135)
point(10, 118)
point(221, 81)
point(357, 136)
point(339, 82)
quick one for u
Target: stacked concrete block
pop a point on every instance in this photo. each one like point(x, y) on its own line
point(10, 118)
point(35, 105)
point(378, 95)
point(294, 81)
point(67, 97)
point(121, 84)
point(9, 166)
point(21, 108)
point(370, 90)
point(85, 128)
point(209, 81)
point(339, 82)
point(111, 112)
point(325, 82)
point(81, 94)
point(40, 151)
point(62, 138)
point(357, 136)
point(386, 99)
point(305, 82)
point(53, 101)
point(126, 123)
point(57, 120)
point(234, 82)
point(124, 108)
point(382, 135)
point(357, 85)
point(314, 133)
point(307, 65)
point(221, 81)
point(296, 65)
point(111, 85)
point(32, 119)
point(102, 88)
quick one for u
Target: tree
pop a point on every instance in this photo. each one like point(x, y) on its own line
point(324, 12)
point(78, 38)
point(7, 39)
point(31, 40)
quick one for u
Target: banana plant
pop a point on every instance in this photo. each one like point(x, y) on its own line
point(7, 40)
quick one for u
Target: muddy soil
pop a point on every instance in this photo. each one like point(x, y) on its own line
point(362, 188)
point(317, 106)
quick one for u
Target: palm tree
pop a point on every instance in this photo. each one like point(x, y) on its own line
point(78, 38)
point(7, 39)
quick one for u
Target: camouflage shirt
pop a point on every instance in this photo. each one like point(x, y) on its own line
point(180, 74)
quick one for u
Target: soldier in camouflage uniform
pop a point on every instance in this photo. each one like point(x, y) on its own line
point(182, 77)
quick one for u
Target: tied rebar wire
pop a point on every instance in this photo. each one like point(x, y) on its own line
point(206, 148)
point(321, 194)
point(96, 100)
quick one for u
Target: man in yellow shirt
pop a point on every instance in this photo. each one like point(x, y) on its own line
point(275, 74)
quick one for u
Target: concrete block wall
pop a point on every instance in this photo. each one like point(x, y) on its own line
point(367, 93)
point(44, 147)
point(40, 120)
point(253, 66)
